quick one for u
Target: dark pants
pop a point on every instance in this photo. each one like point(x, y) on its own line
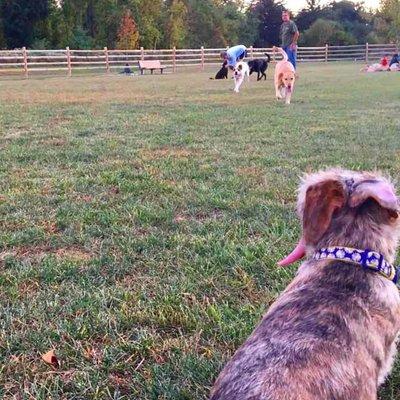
point(292, 55)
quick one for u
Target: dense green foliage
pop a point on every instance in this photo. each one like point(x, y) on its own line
point(188, 23)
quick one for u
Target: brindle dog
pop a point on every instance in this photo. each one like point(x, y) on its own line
point(331, 334)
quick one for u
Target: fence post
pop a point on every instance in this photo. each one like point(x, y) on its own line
point(107, 60)
point(69, 65)
point(174, 59)
point(25, 54)
point(326, 52)
point(251, 52)
point(274, 54)
point(366, 52)
point(142, 53)
point(202, 58)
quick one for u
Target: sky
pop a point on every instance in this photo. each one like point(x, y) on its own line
point(296, 5)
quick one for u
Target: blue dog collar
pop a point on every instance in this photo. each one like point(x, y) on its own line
point(367, 259)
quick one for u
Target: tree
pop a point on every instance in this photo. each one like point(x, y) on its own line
point(268, 14)
point(176, 23)
point(19, 18)
point(307, 16)
point(312, 5)
point(390, 12)
point(107, 16)
point(81, 39)
point(350, 18)
point(204, 28)
point(324, 32)
point(128, 35)
point(149, 18)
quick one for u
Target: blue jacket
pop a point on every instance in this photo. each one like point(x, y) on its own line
point(234, 53)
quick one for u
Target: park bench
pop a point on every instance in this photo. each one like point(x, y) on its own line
point(151, 65)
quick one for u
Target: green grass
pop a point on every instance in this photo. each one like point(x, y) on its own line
point(142, 219)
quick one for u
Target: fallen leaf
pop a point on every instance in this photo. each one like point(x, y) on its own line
point(51, 359)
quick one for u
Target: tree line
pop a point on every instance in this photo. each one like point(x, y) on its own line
point(129, 24)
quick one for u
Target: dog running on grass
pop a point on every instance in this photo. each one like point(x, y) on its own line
point(285, 76)
point(240, 71)
point(259, 65)
point(331, 334)
point(223, 72)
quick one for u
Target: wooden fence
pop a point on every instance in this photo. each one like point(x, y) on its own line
point(30, 61)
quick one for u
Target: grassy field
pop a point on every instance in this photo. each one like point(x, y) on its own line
point(142, 218)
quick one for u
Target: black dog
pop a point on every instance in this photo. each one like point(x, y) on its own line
point(223, 72)
point(259, 65)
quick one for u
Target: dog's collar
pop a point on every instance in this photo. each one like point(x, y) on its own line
point(368, 259)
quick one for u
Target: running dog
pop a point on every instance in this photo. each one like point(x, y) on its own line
point(332, 333)
point(259, 65)
point(240, 71)
point(285, 76)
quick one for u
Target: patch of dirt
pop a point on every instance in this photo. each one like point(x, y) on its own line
point(56, 142)
point(58, 120)
point(151, 119)
point(28, 287)
point(37, 253)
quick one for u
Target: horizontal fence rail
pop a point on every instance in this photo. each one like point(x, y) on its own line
point(26, 61)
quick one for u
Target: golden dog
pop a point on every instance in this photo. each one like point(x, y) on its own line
point(285, 77)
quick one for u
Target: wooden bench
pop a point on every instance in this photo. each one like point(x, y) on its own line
point(151, 65)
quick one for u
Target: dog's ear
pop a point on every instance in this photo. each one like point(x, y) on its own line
point(381, 192)
point(240, 67)
point(322, 200)
point(280, 76)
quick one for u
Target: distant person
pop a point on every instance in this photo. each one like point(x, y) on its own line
point(289, 35)
point(394, 64)
point(127, 70)
point(384, 62)
point(377, 67)
point(395, 60)
point(233, 55)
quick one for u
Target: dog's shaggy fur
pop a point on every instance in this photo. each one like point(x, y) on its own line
point(223, 72)
point(332, 333)
point(259, 65)
point(285, 77)
point(240, 71)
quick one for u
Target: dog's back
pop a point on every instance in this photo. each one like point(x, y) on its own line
point(259, 65)
point(304, 346)
point(332, 333)
point(283, 64)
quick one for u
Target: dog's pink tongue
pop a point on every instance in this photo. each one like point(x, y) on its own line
point(297, 254)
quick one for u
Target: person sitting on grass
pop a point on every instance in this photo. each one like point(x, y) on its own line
point(384, 62)
point(394, 64)
point(383, 65)
point(127, 70)
point(233, 55)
